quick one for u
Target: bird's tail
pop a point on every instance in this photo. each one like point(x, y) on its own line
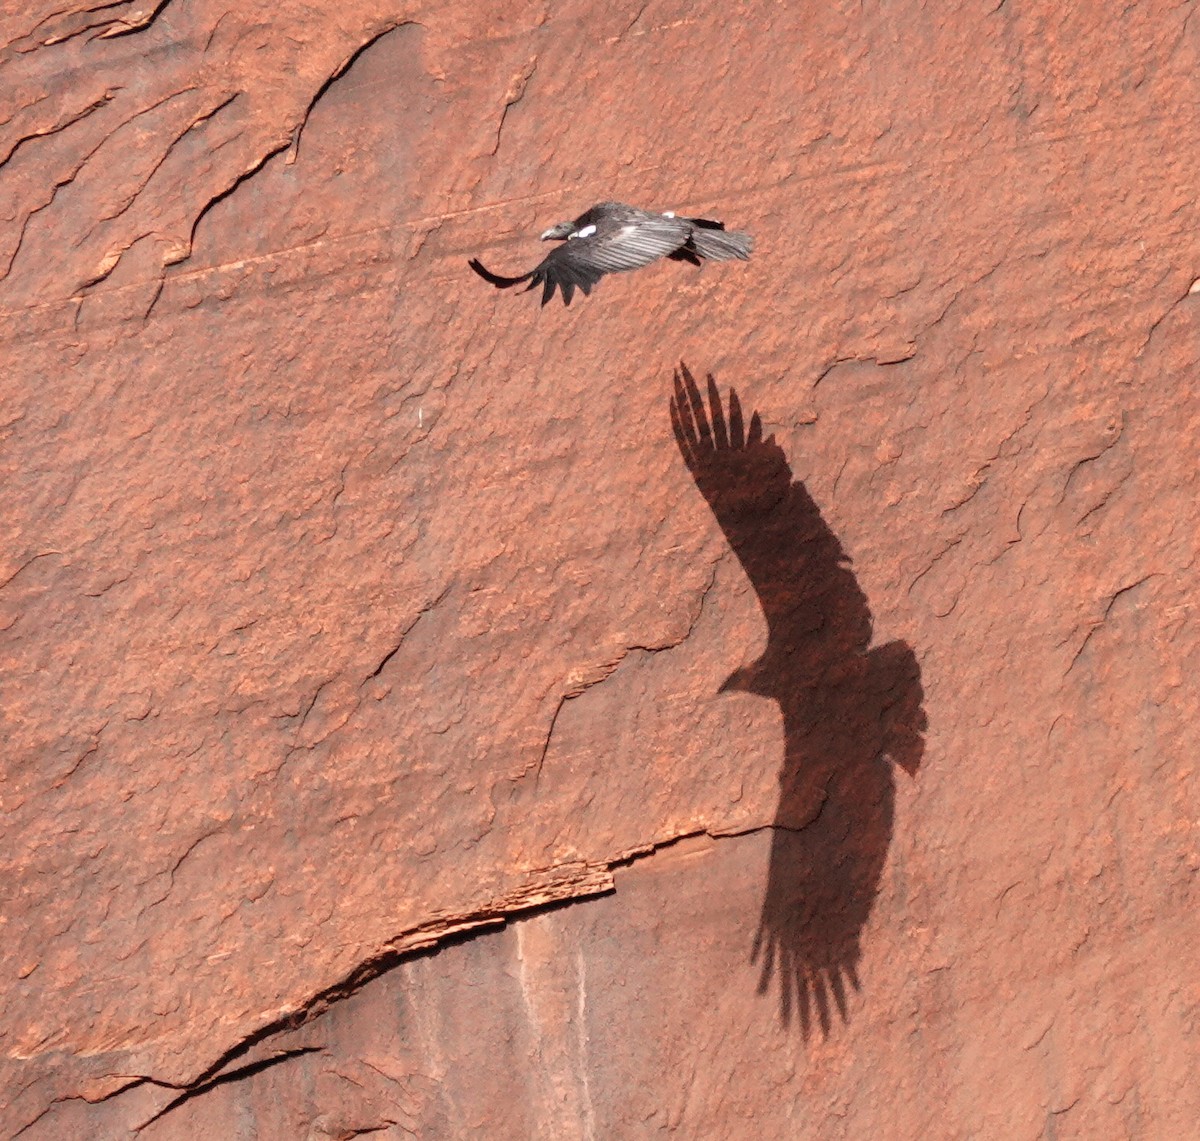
point(712, 240)
point(496, 279)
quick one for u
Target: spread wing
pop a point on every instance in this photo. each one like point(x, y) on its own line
point(615, 247)
point(619, 246)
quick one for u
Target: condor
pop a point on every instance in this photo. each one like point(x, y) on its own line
point(612, 238)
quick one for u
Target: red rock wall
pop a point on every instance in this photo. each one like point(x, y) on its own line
point(350, 606)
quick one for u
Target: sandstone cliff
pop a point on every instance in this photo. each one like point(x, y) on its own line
point(401, 739)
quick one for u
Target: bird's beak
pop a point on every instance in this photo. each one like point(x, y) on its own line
point(557, 233)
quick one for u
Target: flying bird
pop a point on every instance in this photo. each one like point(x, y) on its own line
point(612, 238)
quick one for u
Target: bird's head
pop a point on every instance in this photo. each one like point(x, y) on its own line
point(559, 233)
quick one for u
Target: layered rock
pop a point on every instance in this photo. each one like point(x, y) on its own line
point(350, 606)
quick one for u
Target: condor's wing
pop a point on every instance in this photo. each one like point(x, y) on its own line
point(613, 247)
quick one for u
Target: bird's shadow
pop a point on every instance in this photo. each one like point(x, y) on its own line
point(850, 712)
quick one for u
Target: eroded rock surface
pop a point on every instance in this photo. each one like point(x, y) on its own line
point(349, 604)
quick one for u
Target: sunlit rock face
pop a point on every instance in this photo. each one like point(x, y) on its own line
point(422, 714)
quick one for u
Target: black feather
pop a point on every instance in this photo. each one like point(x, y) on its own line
point(496, 279)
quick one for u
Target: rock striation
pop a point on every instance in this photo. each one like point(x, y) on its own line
point(417, 725)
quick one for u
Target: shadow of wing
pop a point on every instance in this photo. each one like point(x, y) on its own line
point(845, 709)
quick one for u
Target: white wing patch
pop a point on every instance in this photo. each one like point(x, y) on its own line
point(668, 213)
point(586, 232)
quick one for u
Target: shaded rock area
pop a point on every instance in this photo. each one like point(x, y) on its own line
point(412, 728)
